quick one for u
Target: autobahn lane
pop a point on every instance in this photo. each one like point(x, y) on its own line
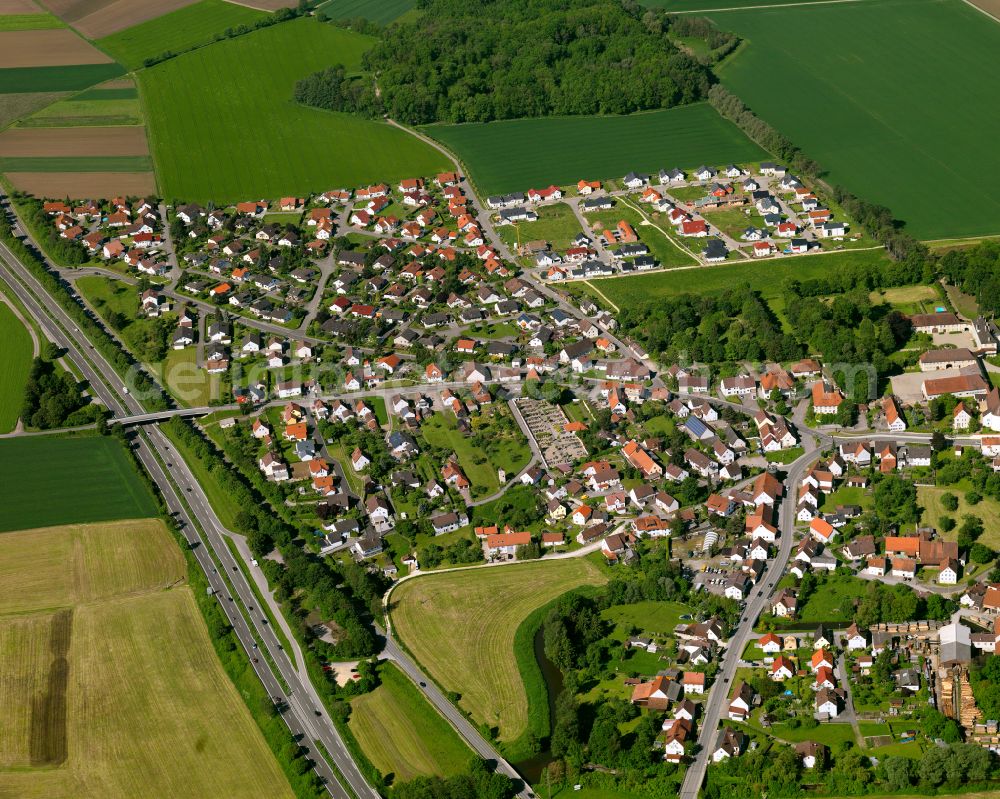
point(301, 700)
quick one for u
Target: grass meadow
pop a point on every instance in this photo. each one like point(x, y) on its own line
point(402, 734)
point(177, 31)
point(765, 277)
point(461, 625)
point(515, 155)
point(892, 97)
point(102, 648)
point(929, 499)
point(50, 480)
point(15, 364)
point(223, 125)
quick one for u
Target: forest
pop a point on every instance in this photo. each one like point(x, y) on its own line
point(484, 60)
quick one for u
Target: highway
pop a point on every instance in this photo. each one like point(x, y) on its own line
point(303, 711)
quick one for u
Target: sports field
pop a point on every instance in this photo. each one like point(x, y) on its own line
point(460, 626)
point(380, 11)
point(48, 480)
point(765, 277)
point(516, 155)
point(15, 364)
point(891, 96)
point(177, 31)
point(109, 684)
point(402, 734)
point(223, 125)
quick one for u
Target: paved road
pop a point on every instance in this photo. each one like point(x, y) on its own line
point(482, 747)
point(153, 450)
point(715, 709)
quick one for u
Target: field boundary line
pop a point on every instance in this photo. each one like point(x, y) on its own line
point(601, 294)
point(626, 202)
point(774, 5)
point(982, 10)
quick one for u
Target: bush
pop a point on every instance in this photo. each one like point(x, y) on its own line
point(949, 501)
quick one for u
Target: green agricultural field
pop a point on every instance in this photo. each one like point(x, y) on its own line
point(460, 626)
point(223, 125)
point(881, 87)
point(380, 11)
point(402, 734)
point(122, 93)
point(16, 106)
point(706, 5)
point(177, 31)
point(48, 480)
point(17, 80)
point(517, 154)
point(79, 112)
point(15, 364)
point(765, 277)
point(78, 163)
point(29, 22)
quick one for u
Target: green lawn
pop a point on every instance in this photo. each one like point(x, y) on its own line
point(650, 617)
point(402, 734)
point(866, 74)
point(515, 155)
point(846, 495)
point(380, 11)
point(177, 31)
point(505, 451)
point(829, 734)
point(833, 599)
point(29, 22)
point(191, 386)
point(557, 224)
point(51, 480)
point(764, 277)
point(56, 79)
point(15, 364)
point(116, 296)
point(650, 227)
point(223, 125)
point(929, 498)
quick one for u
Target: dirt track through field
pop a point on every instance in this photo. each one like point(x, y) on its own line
point(49, 142)
point(98, 18)
point(81, 185)
point(47, 48)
